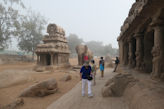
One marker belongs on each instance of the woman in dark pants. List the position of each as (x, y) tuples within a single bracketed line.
[(117, 61)]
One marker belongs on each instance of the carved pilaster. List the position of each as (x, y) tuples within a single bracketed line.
[(131, 63), (121, 44), (37, 59), (125, 53), (158, 52), (52, 59), (139, 51)]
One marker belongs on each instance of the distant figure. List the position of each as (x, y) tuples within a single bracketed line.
[(85, 72), (117, 61), (94, 68), (85, 58), (101, 66)]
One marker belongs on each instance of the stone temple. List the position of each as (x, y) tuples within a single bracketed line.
[(54, 51), (141, 41)]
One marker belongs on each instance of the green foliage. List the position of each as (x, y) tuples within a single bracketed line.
[(31, 32), (73, 41), (9, 20)]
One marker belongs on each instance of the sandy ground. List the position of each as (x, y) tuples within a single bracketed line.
[(74, 100), (16, 77)]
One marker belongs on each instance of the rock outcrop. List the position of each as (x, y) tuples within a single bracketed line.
[(41, 89), (115, 87), (66, 77), (14, 105)]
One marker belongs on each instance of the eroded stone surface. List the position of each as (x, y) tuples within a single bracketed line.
[(83, 50), (54, 51), (66, 77), (116, 86), (141, 41), (15, 104), (41, 89)]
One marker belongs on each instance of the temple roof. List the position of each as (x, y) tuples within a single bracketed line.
[(133, 13), (55, 41), (141, 15)]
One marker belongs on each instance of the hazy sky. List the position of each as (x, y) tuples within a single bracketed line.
[(98, 20)]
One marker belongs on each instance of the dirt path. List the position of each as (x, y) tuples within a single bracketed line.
[(74, 100)]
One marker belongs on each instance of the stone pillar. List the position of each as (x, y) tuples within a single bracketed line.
[(51, 58), (158, 52), (41, 59), (139, 51), (131, 63), (121, 46), (37, 59), (125, 53)]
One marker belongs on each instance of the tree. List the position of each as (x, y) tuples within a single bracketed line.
[(73, 41), (31, 32), (9, 20)]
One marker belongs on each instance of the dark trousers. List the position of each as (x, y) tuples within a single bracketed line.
[(115, 68)]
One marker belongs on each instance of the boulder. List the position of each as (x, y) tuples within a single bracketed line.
[(14, 105), (116, 86), (106, 91), (66, 77), (41, 89), (39, 68)]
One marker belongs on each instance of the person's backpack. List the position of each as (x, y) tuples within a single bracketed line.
[(102, 62), (117, 61)]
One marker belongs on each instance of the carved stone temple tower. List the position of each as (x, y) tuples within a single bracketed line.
[(54, 51)]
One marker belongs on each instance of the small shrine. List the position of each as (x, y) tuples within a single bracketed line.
[(54, 50)]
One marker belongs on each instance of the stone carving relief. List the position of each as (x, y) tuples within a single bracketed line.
[(51, 29)]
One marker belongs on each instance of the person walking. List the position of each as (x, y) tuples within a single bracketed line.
[(85, 74), (101, 66), (94, 68), (117, 61)]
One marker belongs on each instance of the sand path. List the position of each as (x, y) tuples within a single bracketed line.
[(74, 100)]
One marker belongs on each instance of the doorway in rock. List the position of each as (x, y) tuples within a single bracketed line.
[(126, 55), (48, 59), (148, 45), (134, 51)]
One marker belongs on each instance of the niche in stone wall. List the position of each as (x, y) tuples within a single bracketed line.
[(133, 51), (126, 55), (48, 59), (148, 45)]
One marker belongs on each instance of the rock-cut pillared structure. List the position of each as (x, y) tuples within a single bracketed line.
[(54, 50), (141, 41)]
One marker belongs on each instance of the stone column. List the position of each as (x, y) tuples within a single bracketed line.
[(37, 59), (125, 53), (131, 54), (51, 58), (139, 51), (121, 45), (158, 52), (41, 59)]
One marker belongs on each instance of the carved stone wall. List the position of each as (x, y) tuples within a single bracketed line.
[(145, 23), (54, 50)]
